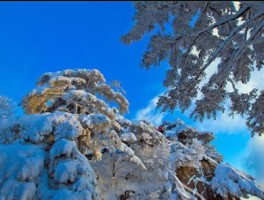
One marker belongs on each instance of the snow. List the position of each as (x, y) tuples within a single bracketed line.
[(32, 167), (59, 78), (40, 90), (66, 171), (68, 130), (20, 166), (177, 127), (74, 94), (229, 180), (82, 184), (141, 162), (93, 120), (128, 137)]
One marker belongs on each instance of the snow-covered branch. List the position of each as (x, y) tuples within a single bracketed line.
[(203, 32)]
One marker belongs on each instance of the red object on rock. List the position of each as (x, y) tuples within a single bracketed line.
[(161, 129)]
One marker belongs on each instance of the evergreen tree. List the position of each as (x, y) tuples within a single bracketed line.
[(84, 93), (204, 32)]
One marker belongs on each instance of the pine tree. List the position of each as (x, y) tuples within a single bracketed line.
[(204, 32), (84, 93)]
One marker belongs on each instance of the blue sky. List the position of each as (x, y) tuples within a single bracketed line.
[(39, 37)]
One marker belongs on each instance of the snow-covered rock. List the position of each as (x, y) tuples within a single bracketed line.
[(144, 164), (228, 180), (80, 148)]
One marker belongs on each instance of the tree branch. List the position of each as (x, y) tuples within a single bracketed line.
[(219, 50), (237, 15)]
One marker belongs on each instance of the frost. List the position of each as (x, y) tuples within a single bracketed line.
[(6, 107), (204, 34)]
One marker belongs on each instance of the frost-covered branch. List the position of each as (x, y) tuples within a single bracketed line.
[(6, 107), (203, 32)]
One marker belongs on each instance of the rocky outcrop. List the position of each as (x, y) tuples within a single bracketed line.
[(138, 163), (179, 164)]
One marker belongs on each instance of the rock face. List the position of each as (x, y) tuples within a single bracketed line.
[(180, 164), (47, 164)]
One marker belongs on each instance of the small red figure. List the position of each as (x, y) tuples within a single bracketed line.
[(161, 128)]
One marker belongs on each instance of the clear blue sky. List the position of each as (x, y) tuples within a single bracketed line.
[(38, 37)]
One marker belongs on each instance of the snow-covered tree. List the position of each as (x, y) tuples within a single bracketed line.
[(6, 107), (82, 92), (68, 119), (192, 36), (74, 145), (74, 91)]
